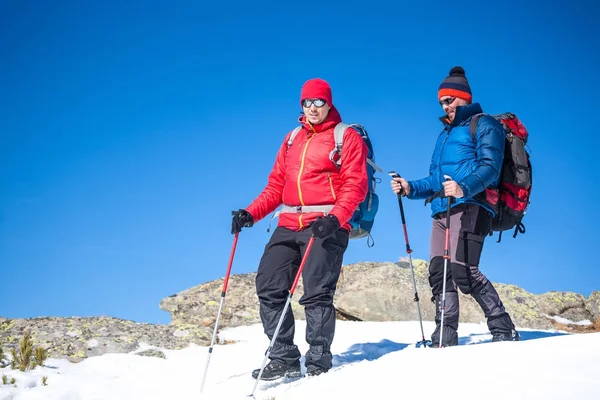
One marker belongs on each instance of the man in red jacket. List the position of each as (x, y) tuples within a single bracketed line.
[(318, 199)]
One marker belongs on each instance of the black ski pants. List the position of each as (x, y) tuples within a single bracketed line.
[(276, 272)]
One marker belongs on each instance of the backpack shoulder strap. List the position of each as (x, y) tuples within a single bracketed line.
[(338, 137), (338, 134), (473, 125), (293, 135)]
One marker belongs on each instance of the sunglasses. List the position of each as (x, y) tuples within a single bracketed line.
[(317, 102), (447, 101)]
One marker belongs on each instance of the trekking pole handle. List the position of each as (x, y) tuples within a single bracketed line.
[(394, 175), (448, 178)]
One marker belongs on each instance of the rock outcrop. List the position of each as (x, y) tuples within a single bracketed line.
[(368, 291), (376, 291), (78, 338)]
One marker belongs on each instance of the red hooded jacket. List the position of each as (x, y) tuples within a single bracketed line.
[(304, 175)]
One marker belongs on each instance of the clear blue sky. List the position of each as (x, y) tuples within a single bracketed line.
[(130, 130)]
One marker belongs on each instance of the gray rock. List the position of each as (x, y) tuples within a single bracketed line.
[(368, 291), (593, 305), (569, 305), (199, 305), (151, 353), (375, 291), (77, 338), (384, 292)]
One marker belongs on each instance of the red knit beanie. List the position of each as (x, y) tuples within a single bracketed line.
[(316, 89)]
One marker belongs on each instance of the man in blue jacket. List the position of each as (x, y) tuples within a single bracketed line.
[(472, 166)]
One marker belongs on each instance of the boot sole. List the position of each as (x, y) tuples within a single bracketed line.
[(287, 375)]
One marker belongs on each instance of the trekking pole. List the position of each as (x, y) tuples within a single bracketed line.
[(424, 342), (446, 260), (223, 292), (287, 304)]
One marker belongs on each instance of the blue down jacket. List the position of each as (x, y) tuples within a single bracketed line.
[(473, 166)]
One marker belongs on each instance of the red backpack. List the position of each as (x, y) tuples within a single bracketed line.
[(511, 198)]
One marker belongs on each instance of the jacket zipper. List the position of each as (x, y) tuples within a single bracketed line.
[(440, 161), (298, 182), (331, 186)]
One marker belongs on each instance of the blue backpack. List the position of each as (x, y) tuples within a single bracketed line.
[(364, 216)]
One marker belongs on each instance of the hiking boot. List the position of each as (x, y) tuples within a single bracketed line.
[(276, 369), (314, 370), (503, 336)]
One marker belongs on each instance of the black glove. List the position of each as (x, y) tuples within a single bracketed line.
[(324, 227), (241, 219)]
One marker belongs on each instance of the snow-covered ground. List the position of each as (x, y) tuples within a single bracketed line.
[(372, 360)]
